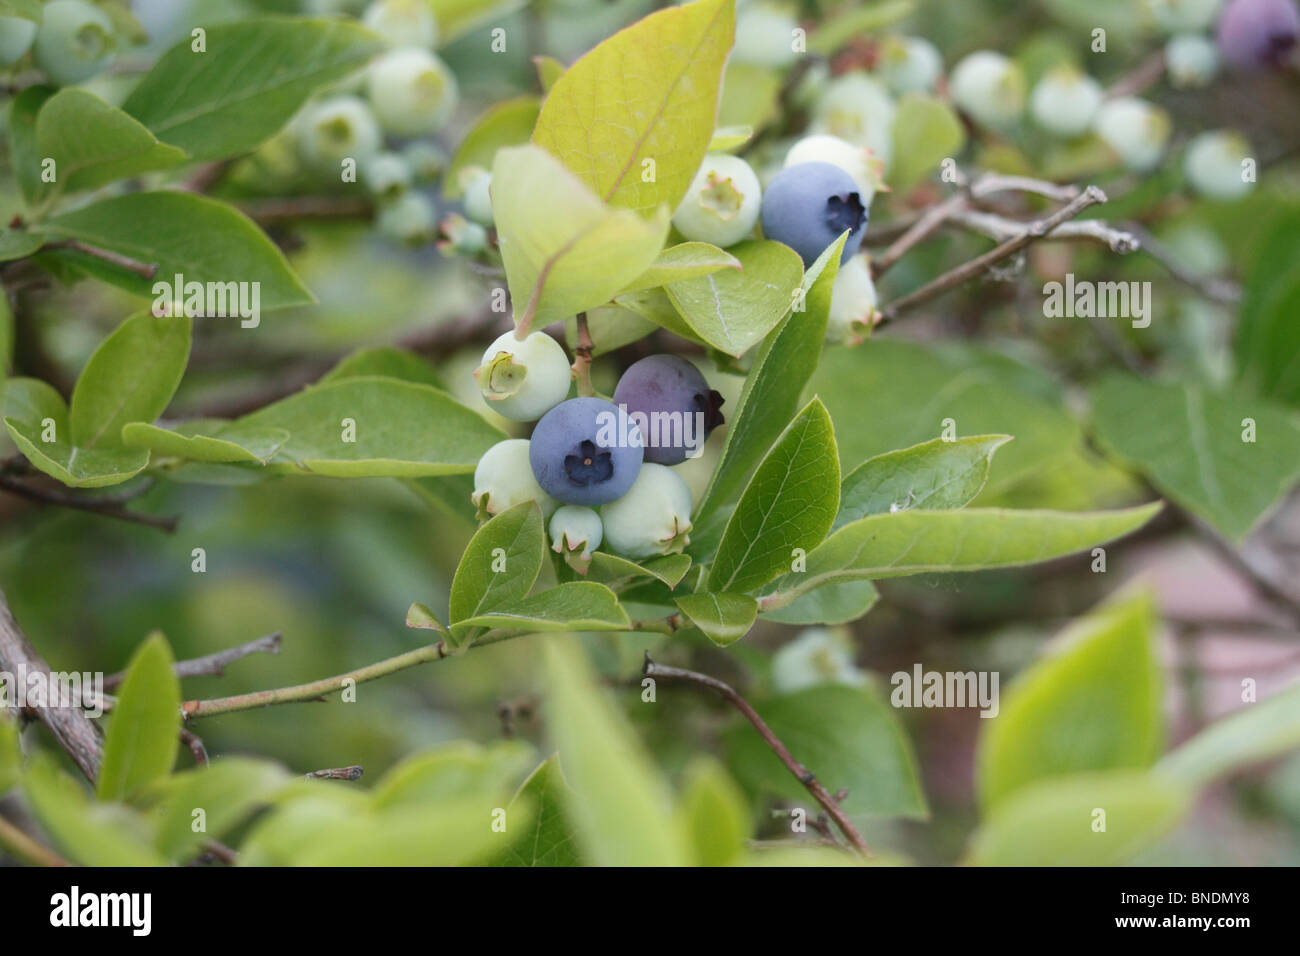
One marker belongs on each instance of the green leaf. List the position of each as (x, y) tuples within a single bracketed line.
[(131, 377), (92, 834), (252, 79), (848, 737), (11, 755), (936, 475), (650, 92), (93, 143), (617, 572), (776, 379), (388, 362), (829, 604), (458, 17), (550, 840), (789, 504), (1257, 732), (420, 616), (1094, 703), (454, 771), (207, 440), (564, 252), (29, 405), (24, 155), (402, 430), (549, 69), (576, 606), (926, 131), (19, 244), (201, 239), (917, 542), (508, 123), (714, 813), (1268, 337), (732, 310), (1188, 442), (751, 95), (727, 138), (227, 790), (724, 618), (144, 731), (853, 20), (500, 564), (1052, 822), (686, 260), (26, 9), (619, 803)]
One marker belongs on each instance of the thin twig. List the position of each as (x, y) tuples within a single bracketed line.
[(922, 229), (969, 270), (337, 773), (1141, 78), (195, 743), (212, 665), (145, 270), (582, 357), (26, 850), (1215, 288), (1001, 228), (109, 507), (801, 773)]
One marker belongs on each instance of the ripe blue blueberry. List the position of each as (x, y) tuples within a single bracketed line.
[(1258, 34), (582, 455), (807, 206), (672, 406)]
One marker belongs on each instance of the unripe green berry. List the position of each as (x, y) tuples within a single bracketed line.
[(1215, 163), (722, 203), (410, 218), (74, 41), (460, 237), (1135, 130), (524, 379), (765, 35), (856, 108), (989, 88), (653, 518), (427, 160), (576, 531), (386, 175), (403, 22), (16, 36), (477, 199), (858, 161), (853, 303), (412, 92), (504, 479), (1065, 101), (339, 128), (909, 64), (1191, 60)]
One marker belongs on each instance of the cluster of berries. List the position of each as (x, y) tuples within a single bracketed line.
[(587, 453), (74, 42)]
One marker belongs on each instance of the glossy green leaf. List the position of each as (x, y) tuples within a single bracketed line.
[(253, 77), (686, 260), (508, 123), (85, 832), (618, 572), (227, 791), (550, 840), (1254, 733), (751, 95), (619, 803), (549, 69), (458, 17), (776, 379), (650, 92), (732, 310), (93, 143), (728, 138), (837, 603), (1190, 443), (401, 430), (724, 618), (926, 132), (1268, 337), (936, 475), (144, 730), (1093, 703), (421, 617), (386, 361), (34, 411), (575, 606), (917, 542), (1055, 822), (714, 814), (207, 440), (24, 155), (788, 506), (848, 737), (19, 243), (454, 771), (564, 251), (131, 377), (181, 233), (500, 563)]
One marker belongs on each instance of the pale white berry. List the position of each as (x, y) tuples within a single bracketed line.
[(403, 22), (909, 64), (16, 36), (412, 91), (1181, 16), (410, 218), (1216, 165), (856, 107), (504, 478), (1191, 60), (819, 655), (722, 203), (386, 175), (337, 129), (477, 184), (1065, 101), (765, 35), (576, 531), (524, 379), (858, 161), (653, 518), (989, 87), (1135, 130), (853, 303)]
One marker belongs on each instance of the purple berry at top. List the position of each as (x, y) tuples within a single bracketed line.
[(583, 452), (808, 205), (671, 404), (1258, 34)]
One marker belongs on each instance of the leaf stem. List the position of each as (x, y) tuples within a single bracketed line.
[(25, 849)]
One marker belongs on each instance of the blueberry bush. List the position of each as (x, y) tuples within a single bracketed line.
[(736, 432)]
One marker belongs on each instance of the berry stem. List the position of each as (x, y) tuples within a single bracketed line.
[(582, 361)]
